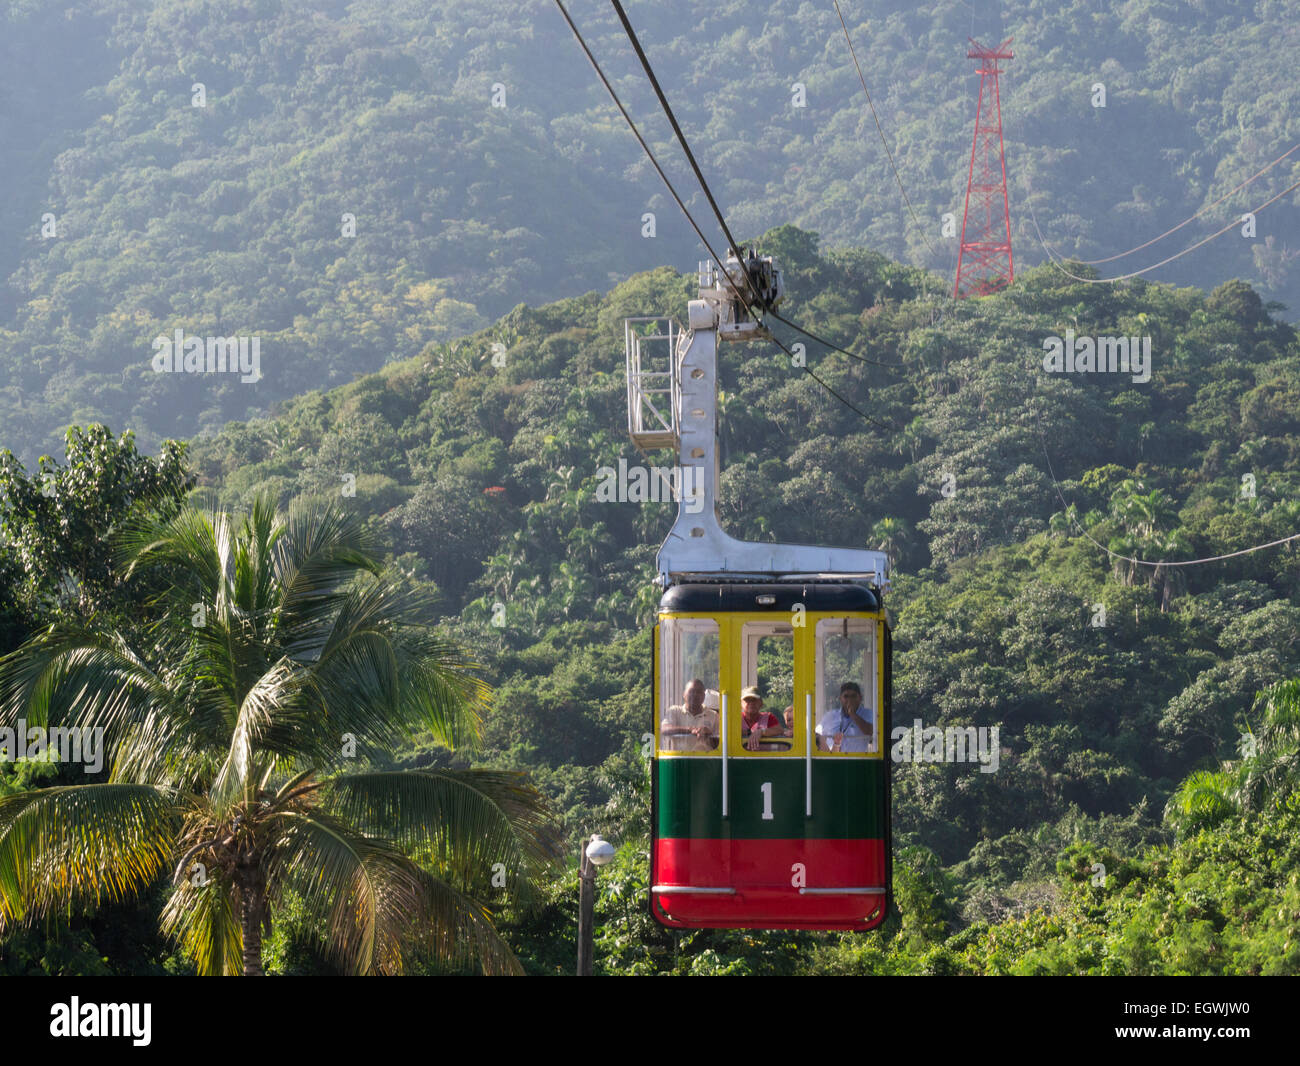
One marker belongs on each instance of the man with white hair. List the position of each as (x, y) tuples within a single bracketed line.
[(690, 725)]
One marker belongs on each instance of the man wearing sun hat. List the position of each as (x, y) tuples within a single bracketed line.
[(755, 723)]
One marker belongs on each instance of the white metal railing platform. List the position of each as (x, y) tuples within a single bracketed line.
[(653, 389)]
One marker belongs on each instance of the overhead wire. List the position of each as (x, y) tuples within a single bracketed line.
[(831, 345), (813, 374), (1193, 218), (750, 309), (1051, 470), (1157, 563), (888, 153), (645, 147), (722, 221), (672, 119), (1169, 259), (1057, 260), (637, 133), (651, 156), (704, 186), (925, 282), (851, 406), (758, 317)]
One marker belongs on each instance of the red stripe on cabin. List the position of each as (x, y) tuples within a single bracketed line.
[(766, 879)]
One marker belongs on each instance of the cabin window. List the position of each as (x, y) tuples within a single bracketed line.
[(846, 655), (689, 717), (767, 664)]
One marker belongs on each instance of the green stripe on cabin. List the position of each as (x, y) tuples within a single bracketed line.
[(848, 798)]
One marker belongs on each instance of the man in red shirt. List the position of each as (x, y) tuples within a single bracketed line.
[(755, 723)]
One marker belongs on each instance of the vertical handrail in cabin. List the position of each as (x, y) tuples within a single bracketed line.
[(722, 726), (808, 733)]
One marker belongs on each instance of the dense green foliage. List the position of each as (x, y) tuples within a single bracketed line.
[(57, 563), (204, 164), (56, 553), (1110, 682), (1115, 737), (1226, 901), (228, 219)]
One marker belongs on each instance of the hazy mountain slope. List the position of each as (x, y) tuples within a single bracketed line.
[(227, 219)]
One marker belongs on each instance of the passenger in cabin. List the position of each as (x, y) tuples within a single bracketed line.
[(848, 727), (756, 723), (789, 722), (690, 725)]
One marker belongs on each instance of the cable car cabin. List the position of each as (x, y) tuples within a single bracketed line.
[(762, 827)]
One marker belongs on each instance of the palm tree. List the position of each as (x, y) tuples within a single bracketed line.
[(1169, 579), (1141, 513), (502, 570), (613, 607), (566, 479), (910, 437), (1123, 550), (1142, 517), (574, 586), (454, 355), (237, 721), (1269, 769), (1062, 524), (532, 601), (506, 335), (890, 535), (590, 543), (645, 604), (1273, 768), (1202, 801)]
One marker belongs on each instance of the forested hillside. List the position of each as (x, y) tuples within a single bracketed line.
[(334, 178), (1110, 683), (427, 223)]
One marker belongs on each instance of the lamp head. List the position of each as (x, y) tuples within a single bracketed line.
[(600, 852)]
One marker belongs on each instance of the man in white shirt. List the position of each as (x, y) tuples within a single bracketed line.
[(689, 726), (847, 727)]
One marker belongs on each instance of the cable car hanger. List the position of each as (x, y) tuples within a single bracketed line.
[(697, 548)]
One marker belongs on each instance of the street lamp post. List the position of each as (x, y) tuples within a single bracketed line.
[(595, 853)]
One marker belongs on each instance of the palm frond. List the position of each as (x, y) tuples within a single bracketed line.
[(1272, 772), (274, 638), (200, 916), (184, 545), (79, 844), (1203, 800), (1280, 728), (163, 728), (76, 677), (382, 681), (454, 928), (468, 820), (341, 877), (322, 550), (377, 902), (270, 713)]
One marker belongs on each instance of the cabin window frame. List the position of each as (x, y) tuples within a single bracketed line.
[(836, 625), (672, 675), (750, 631)]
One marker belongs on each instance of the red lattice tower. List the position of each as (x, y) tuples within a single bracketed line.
[(984, 265)]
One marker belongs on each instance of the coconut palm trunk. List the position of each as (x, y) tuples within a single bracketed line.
[(252, 913)]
